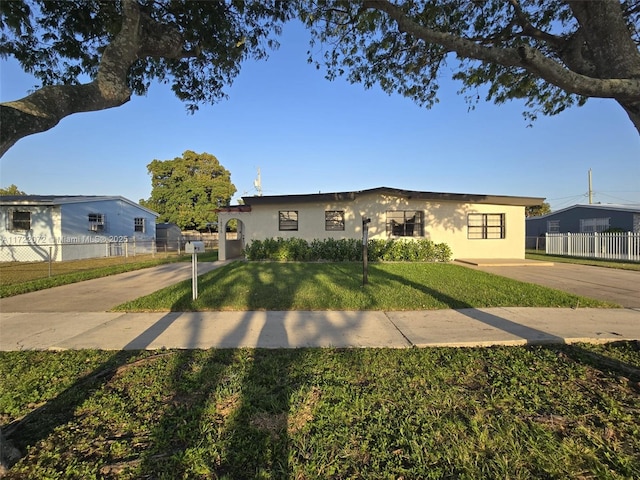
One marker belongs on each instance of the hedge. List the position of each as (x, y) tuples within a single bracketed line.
[(347, 250)]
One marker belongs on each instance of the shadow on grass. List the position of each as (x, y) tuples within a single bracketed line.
[(530, 335), (253, 422), (41, 422)]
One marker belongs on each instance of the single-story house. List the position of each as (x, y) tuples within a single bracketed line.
[(586, 219), (65, 227), (474, 226)]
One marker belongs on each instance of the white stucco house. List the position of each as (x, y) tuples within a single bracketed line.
[(474, 226), (36, 227)]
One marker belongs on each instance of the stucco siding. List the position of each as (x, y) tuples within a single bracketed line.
[(444, 222), (61, 230), (30, 245)]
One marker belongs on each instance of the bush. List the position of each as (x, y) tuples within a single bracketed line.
[(347, 250)]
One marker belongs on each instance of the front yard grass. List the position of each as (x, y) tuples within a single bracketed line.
[(477, 413), (594, 262), (23, 277), (338, 286)]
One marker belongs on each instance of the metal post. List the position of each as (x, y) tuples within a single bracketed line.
[(365, 252), (194, 275), (50, 260)]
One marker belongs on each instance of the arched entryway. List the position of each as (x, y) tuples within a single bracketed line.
[(233, 238), (231, 244)]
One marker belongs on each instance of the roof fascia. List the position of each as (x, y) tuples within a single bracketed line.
[(409, 194)]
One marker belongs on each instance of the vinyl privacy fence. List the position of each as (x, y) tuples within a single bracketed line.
[(606, 246)]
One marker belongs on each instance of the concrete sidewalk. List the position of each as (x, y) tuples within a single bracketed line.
[(271, 329)]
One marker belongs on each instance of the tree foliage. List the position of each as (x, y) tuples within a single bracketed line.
[(93, 55), (187, 190), (538, 210), (11, 190), (550, 53)]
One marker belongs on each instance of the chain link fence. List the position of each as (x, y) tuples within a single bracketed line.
[(536, 243), (30, 260)]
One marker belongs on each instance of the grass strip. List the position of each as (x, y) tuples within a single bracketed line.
[(519, 413), (594, 262), (243, 286)]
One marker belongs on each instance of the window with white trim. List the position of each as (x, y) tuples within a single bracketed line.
[(590, 225), (288, 220), (334, 220), (20, 220), (139, 224), (485, 226), (96, 222), (405, 223)]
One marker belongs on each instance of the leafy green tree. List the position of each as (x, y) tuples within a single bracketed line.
[(187, 190), (11, 190), (538, 210), (121, 46), (554, 54)]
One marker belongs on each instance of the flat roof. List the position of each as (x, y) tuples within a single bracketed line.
[(409, 194)]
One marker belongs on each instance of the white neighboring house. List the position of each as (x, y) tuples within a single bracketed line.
[(66, 227), (474, 226)]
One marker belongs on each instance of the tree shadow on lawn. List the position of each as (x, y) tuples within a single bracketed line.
[(531, 335), (205, 428), (42, 421), (607, 365)]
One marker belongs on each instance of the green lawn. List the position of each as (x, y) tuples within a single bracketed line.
[(338, 286), (560, 412), (620, 264), (23, 277)]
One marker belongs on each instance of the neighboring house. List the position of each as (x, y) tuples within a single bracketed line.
[(586, 219), (474, 226), (39, 227)]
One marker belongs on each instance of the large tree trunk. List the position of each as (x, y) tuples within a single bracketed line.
[(609, 48), (601, 60), (139, 36), (44, 108), (633, 110)]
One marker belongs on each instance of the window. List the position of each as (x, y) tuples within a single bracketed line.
[(590, 225), (334, 220), (96, 222), (485, 225), (405, 223), (21, 220), (553, 226), (138, 224), (288, 220)]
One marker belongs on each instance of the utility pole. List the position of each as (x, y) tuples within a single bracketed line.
[(590, 189), (257, 183)]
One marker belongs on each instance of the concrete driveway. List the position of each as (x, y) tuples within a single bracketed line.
[(609, 284), (102, 294)]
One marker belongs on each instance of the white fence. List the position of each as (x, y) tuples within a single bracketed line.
[(606, 246)]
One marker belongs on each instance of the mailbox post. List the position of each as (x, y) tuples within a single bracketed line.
[(365, 250), (194, 248)]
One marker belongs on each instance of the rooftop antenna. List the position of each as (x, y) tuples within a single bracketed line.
[(257, 183), (590, 189)]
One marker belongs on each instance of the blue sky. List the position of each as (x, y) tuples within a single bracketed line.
[(309, 135)]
